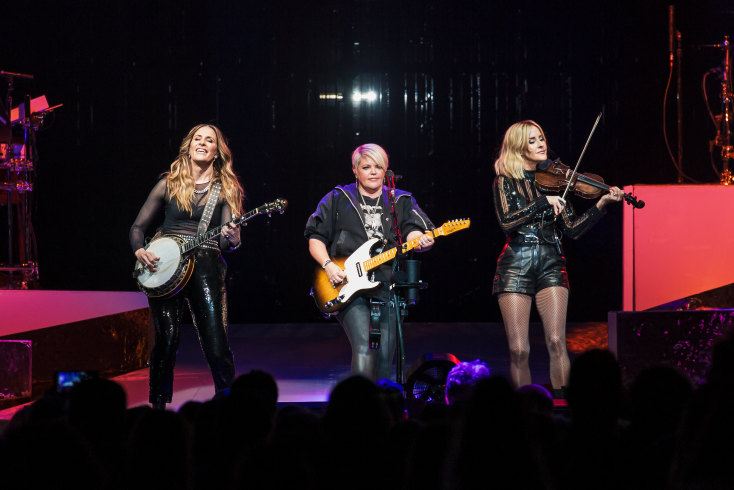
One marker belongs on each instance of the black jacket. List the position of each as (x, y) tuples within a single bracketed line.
[(338, 221)]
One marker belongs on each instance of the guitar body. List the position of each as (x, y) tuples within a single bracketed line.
[(174, 268), (333, 298)]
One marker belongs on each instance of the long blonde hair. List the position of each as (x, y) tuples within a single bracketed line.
[(180, 183), (510, 161)]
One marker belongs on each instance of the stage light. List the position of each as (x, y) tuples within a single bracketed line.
[(426, 383), (358, 96), (331, 96)]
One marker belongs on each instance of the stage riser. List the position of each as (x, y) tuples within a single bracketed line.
[(678, 245), (679, 339), (111, 345)]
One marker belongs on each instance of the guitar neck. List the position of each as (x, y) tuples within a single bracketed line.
[(378, 260)]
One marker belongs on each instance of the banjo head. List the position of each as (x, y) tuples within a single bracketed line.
[(169, 251)]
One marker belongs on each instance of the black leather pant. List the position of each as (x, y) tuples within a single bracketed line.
[(206, 296), (355, 319)]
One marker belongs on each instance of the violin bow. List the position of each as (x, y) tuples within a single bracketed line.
[(573, 174)]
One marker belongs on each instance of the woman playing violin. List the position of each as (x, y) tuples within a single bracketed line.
[(532, 263)]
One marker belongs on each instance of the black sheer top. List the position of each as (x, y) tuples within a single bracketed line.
[(177, 220)]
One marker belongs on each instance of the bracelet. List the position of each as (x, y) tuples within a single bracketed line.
[(239, 244), (328, 261)]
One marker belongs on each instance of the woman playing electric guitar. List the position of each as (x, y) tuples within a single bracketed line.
[(345, 219)]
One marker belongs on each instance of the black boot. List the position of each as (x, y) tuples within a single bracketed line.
[(560, 393)]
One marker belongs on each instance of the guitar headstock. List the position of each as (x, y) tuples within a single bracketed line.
[(453, 225), (278, 205)]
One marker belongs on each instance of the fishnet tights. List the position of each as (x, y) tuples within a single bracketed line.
[(552, 304)]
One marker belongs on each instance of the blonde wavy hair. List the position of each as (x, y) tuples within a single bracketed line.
[(181, 185), (510, 161), (373, 151)]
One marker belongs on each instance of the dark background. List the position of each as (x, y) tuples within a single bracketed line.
[(451, 75)]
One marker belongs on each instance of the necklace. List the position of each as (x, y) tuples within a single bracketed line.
[(204, 190), (365, 203), (372, 217), (370, 210)]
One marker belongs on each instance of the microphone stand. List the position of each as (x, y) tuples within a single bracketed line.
[(397, 266), (399, 279), (727, 152)]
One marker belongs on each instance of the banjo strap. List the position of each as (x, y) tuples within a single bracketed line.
[(211, 203)]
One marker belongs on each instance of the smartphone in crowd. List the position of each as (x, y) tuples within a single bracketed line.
[(64, 380)]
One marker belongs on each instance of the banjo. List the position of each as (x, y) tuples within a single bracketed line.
[(176, 262)]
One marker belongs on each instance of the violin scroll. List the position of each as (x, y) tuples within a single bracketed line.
[(633, 201)]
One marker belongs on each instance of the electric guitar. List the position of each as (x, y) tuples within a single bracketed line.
[(330, 298), (176, 262)]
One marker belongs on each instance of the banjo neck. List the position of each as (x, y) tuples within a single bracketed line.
[(277, 205)]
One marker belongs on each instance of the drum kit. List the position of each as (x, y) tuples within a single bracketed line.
[(18, 156)]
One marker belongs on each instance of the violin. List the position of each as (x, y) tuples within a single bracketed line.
[(553, 176)]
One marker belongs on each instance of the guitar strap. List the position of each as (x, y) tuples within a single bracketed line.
[(211, 203)]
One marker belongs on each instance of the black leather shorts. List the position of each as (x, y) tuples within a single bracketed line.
[(529, 268)]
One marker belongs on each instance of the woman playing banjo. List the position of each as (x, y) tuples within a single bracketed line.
[(201, 173)]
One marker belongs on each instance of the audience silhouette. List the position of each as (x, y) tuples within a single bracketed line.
[(704, 447), (663, 433)]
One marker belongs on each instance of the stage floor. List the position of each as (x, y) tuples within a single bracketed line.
[(308, 360)]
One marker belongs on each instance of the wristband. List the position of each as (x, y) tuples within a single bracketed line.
[(328, 261)]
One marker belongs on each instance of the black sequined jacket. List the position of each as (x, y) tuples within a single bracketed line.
[(526, 215)]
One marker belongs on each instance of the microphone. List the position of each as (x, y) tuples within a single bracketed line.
[(392, 175), (552, 158), (390, 179)]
